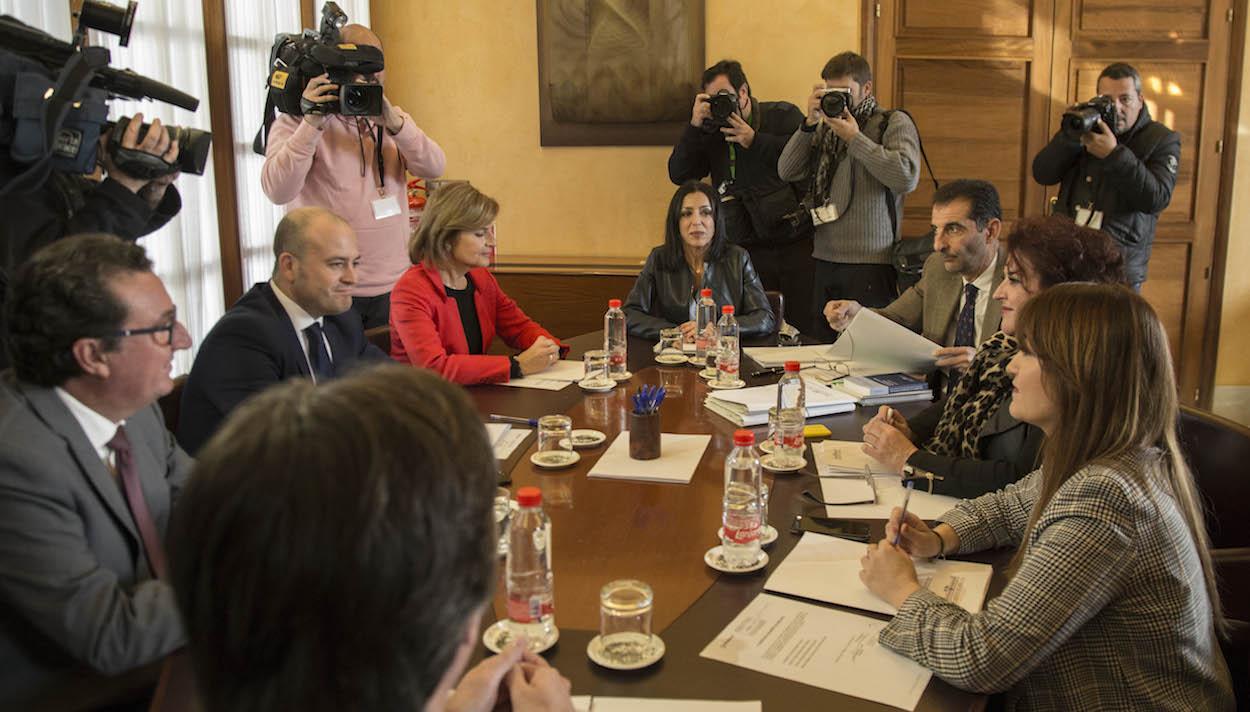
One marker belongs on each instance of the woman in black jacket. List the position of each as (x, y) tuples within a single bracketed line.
[(695, 256), (969, 444)]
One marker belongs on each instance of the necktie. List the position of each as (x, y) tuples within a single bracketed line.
[(966, 324), (318, 356), (120, 445)]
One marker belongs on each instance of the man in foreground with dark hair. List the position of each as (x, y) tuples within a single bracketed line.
[(859, 162), (336, 550), (1117, 179), (88, 473), (298, 324), (951, 303), (761, 211)]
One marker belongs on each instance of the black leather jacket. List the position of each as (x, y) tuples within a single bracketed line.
[(1131, 186), (661, 298)]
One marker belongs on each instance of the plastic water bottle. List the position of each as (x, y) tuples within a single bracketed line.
[(740, 518), (791, 415), (531, 603), (727, 356), (615, 340), (705, 334)]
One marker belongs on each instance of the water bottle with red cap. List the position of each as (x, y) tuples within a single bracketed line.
[(791, 417), (740, 517), (705, 329), (727, 356), (615, 341), (531, 602)]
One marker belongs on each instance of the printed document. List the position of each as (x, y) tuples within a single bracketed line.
[(822, 647), (554, 378), (826, 568), (890, 492), (842, 458), (876, 345)]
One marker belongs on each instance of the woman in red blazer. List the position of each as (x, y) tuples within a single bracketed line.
[(447, 308)]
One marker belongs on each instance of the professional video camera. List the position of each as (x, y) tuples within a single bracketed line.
[(53, 103), (295, 59), (723, 104), (833, 102), (1082, 118)]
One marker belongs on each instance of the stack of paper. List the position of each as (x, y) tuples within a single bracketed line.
[(822, 647), (835, 458), (559, 375), (749, 406), (885, 388), (826, 568), (679, 458), (775, 356), (875, 345)]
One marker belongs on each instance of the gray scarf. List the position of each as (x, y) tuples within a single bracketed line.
[(831, 151)]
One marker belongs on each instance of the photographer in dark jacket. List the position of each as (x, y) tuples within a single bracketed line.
[(1117, 181), (69, 204), (761, 211)]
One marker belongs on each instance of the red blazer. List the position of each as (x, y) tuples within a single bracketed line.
[(426, 329)]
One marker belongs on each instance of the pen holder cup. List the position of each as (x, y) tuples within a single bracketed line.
[(644, 436)]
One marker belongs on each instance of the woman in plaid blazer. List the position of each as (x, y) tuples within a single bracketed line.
[(1112, 602)]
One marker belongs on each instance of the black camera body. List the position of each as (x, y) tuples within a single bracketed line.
[(193, 148), (723, 105), (834, 102), (296, 59), (1082, 118)]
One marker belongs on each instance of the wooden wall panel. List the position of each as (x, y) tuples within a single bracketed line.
[(994, 18), (565, 304), (1176, 19), (1165, 288)]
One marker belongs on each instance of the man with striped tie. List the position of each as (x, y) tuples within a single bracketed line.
[(298, 324), (951, 304)]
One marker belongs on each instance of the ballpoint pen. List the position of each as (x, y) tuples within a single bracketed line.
[(903, 517), (532, 422), (773, 370)]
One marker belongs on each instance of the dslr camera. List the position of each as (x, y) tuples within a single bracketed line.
[(723, 105), (1082, 118), (296, 59), (54, 104), (834, 101)]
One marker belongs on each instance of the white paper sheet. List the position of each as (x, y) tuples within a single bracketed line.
[(847, 491), (845, 458), (758, 399), (877, 345), (890, 495), (495, 431), (774, 356), (639, 704), (553, 378), (679, 457), (826, 648), (826, 568), (509, 442)]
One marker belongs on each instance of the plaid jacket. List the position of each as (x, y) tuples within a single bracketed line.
[(1108, 609)]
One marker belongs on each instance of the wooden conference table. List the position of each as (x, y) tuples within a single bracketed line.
[(610, 529), (604, 530)]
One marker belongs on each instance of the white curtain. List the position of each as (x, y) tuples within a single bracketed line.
[(51, 17)]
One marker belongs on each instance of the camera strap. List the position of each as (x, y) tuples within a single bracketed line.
[(379, 162), (753, 122)]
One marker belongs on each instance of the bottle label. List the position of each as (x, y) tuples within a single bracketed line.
[(529, 610), (743, 535)]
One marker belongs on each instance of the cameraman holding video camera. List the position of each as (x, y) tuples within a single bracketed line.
[(861, 160), (1115, 166), (738, 140), (329, 160)]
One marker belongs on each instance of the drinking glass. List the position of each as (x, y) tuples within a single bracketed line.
[(670, 342), (596, 365), (625, 621), (555, 432), (503, 515)]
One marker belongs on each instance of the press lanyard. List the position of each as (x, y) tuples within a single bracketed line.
[(377, 146), (733, 152)]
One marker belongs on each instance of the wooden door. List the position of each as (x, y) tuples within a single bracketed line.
[(1180, 47), (988, 79)]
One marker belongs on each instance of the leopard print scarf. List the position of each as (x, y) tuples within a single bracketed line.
[(975, 397)]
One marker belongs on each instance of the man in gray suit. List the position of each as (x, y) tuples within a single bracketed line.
[(88, 473), (952, 304)]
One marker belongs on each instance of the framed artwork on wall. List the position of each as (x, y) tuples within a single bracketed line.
[(617, 73)]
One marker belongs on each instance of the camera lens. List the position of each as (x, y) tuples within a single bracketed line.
[(833, 103), (354, 98)]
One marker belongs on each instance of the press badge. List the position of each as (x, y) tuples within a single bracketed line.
[(1089, 218), (386, 207), (826, 213)]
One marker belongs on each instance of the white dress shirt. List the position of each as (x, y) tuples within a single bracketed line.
[(301, 320), (985, 285), (98, 429)]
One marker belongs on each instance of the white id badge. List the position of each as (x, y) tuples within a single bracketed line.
[(386, 207), (1089, 218), (824, 214)]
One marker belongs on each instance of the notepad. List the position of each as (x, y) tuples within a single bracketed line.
[(889, 490), (845, 458), (553, 378), (826, 568), (586, 703), (678, 460)]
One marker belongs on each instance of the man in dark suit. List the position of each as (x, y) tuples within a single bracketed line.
[(299, 323), (88, 472)]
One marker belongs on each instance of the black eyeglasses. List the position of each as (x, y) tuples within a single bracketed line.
[(163, 334)]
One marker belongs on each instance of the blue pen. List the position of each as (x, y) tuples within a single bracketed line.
[(906, 498)]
